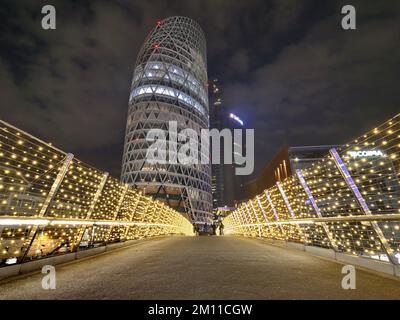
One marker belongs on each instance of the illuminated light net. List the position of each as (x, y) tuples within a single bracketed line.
[(52, 203), (349, 201), (169, 84)]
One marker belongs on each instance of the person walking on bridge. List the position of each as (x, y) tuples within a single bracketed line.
[(221, 229)]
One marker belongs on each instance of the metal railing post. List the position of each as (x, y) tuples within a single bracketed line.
[(139, 196), (92, 206), (263, 212), (249, 215), (286, 200), (244, 220), (289, 207), (271, 204), (117, 209), (258, 220), (237, 221)]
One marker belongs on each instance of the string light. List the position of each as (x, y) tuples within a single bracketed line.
[(39, 216), (372, 161)]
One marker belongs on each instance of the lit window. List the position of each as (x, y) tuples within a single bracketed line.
[(166, 91)]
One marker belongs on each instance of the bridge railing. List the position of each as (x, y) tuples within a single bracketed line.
[(349, 201), (52, 203)]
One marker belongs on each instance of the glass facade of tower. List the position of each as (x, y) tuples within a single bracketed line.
[(216, 122), (169, 84)]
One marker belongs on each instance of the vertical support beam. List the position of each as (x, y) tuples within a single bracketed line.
[(316, 208), (364, 207), (139, 199), (250, 217), (274, 211), (158, 217), (92, 206), (239, 221), (258, 220), (285, 168), (117, 209), (272, 205), (161, 219), (285, 198), (249, 220), (189, 199), (50, 196), (234, 219), (243, 222), (263, 211), (143, 231), (249, 214), (56, 184), (97, 195), (244, 219)]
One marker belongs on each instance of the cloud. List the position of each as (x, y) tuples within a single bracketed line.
[(239, 63), (330, 86), (285, 66)]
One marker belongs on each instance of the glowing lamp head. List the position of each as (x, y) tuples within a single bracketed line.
[(236, 118)]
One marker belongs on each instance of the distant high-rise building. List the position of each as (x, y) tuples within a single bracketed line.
[(169, 84), (216, 122), (284, 164), (226, 185)]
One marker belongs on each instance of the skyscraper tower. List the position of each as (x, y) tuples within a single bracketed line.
[(169, 84), (216, 122), (227, 187)]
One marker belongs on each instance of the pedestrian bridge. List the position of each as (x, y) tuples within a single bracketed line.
[(201, 268), (290, 241)]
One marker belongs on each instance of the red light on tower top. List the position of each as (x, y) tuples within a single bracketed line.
[(158, 23)]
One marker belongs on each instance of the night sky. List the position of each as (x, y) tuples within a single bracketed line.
[(285, 67)]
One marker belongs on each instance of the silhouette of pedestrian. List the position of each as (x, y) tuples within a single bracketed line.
[(221, 229)]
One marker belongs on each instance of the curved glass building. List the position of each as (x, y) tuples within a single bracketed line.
[(169, 84)]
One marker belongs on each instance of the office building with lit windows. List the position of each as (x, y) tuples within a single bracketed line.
[(216, 123), (226, 185), (170, 84)]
